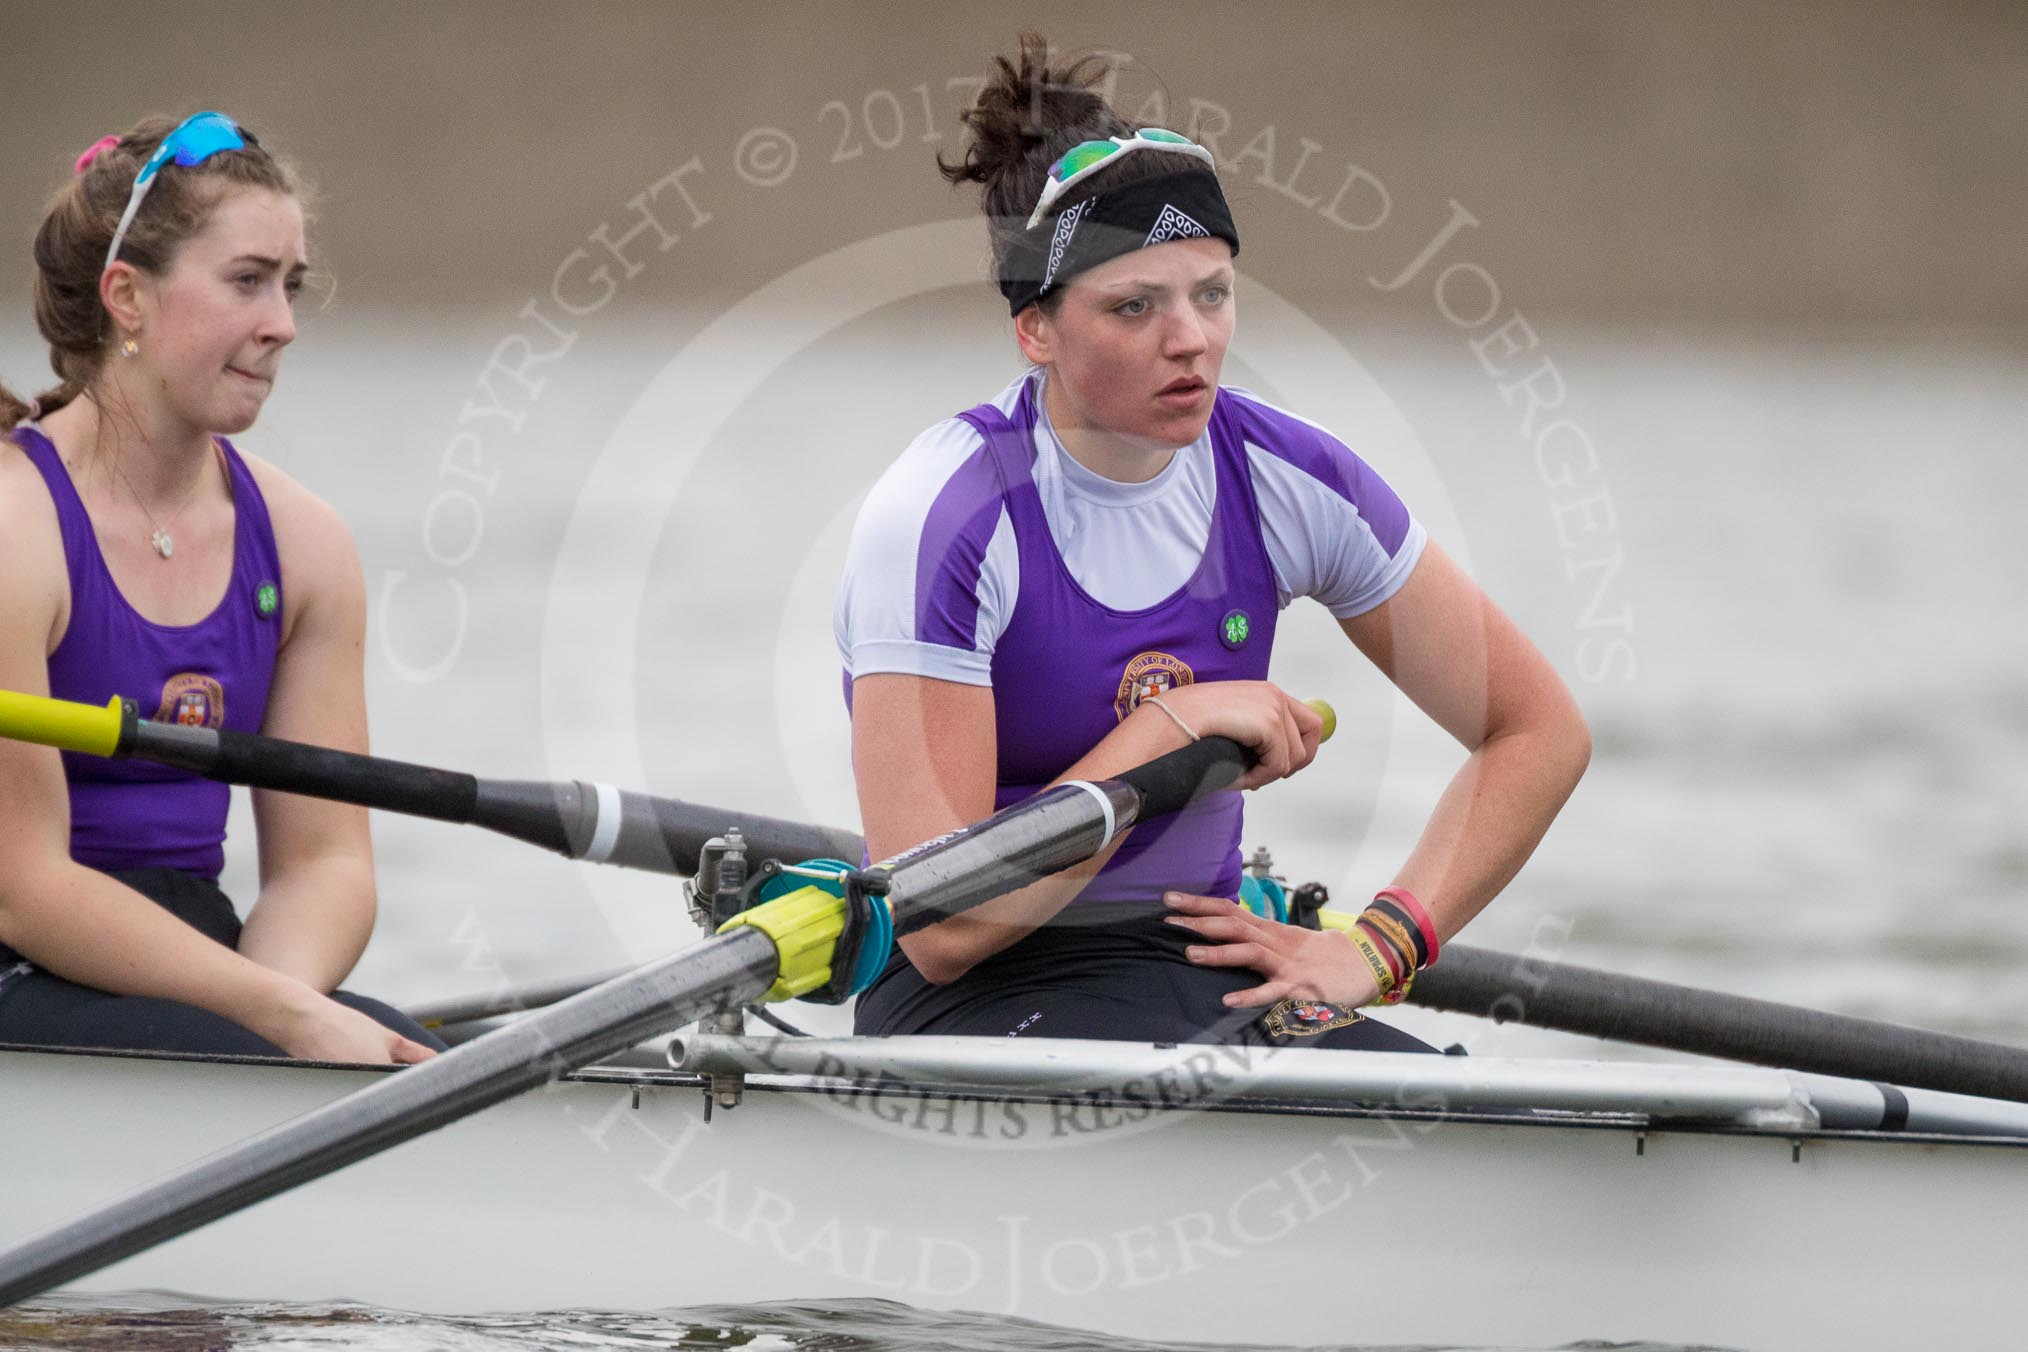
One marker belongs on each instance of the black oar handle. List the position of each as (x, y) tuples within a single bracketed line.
[(1169, 783), (1063, 825), (318, 771)]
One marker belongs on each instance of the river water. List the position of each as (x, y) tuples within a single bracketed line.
[(1782, 572), (155, 1324)]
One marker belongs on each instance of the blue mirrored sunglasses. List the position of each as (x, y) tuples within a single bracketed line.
[(194, 141)]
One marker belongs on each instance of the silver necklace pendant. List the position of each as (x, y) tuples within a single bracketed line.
[(163, 544)]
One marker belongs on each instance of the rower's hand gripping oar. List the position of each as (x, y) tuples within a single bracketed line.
[(835, 933), (782, 944), (595, 822)]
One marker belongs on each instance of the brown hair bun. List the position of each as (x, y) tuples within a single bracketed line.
[(1027, 115)]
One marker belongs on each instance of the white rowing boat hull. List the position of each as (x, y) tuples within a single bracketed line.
[(1256, 1224)]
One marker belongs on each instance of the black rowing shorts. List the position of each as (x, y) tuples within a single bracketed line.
[(1113, 971), (41, 1009)]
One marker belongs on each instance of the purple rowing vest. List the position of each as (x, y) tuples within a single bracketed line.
[(127, 813), (1067, 670)]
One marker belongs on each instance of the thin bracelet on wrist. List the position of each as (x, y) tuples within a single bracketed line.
[(1174, 717)]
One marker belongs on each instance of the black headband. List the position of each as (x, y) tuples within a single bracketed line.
[(1186, 204)]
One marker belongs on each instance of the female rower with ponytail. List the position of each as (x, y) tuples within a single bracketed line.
[(142, 555), (1084, 573)]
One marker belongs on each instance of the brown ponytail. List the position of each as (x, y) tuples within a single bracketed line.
[(77, 228), (1027, 115)]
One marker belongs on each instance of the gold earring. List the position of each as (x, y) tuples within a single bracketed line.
[(129, 348)]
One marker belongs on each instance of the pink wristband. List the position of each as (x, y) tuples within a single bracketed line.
[(1405, 899)]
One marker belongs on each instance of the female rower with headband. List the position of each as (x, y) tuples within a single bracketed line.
[(1084, 573), (141, 555)]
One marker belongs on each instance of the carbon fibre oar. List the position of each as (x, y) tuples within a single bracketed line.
[(595, 822), (502, 1000), (779, 948), (1507, 988), (1571, 999)]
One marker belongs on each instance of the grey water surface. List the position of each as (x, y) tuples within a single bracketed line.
[(168, 1324)]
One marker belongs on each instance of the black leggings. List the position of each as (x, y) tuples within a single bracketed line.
[(1116, 972), (40, 1009)]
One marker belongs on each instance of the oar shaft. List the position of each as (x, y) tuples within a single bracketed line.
[(584, 821), (519, 1056), (596, 822), (1045, 834), (605, 825), (1049, 832), (1052, 831), (1650, 1013), (504, 1000), (294, 767)]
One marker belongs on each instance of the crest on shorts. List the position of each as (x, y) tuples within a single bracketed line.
[(1307, 1018), (193, 700), (1150, 673)]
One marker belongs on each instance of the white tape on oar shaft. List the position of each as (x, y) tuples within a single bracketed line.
[(606, 826), (1105, 806)]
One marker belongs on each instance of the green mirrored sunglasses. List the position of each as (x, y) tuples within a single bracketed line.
[(1084, 159)]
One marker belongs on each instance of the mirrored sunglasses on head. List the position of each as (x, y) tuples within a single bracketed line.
[(196, 139), (1086, 158)]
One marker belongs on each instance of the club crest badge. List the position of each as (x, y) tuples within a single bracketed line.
[(1307, 1018), (193, 700), (1150, 673)]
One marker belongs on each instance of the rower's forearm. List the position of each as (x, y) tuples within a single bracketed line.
[(1490, 818), (945, 951), (87, 927), (313, 923), (948, 949)]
